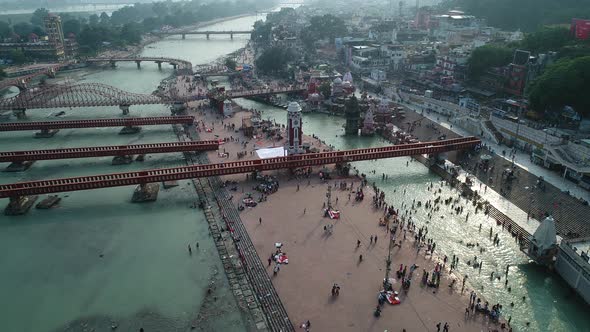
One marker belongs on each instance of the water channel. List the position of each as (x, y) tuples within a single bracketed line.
[(99, 260)]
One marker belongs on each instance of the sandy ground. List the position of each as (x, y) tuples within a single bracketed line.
[(317, 260)]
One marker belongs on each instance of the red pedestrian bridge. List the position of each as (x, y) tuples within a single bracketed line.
[(17, 190), (101, 151), (267, 91), (120, 122)]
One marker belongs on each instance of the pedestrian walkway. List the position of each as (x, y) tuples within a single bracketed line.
[(522, 159)]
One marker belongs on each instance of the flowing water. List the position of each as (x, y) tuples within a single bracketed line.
[(99, 260)]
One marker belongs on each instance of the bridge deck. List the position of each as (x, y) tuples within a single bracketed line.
[(101, 151), (121, 122), (240, 32), (179, 173)]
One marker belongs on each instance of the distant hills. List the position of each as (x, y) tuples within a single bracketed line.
[(526, 15)]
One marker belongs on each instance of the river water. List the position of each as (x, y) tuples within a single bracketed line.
[(99, 260)]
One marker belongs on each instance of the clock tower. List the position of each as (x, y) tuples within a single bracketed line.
[(294, 129)]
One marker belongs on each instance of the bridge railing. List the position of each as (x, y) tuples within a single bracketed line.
[(178, 173)]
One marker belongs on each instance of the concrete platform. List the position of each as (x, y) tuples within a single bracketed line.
[(48, 202), (146, 193), (19, 166), (122, 160), (20, 205), (46, 133)]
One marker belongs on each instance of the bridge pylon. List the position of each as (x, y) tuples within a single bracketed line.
[(125, 109), (19, 205), (146, 192), (19, 113)]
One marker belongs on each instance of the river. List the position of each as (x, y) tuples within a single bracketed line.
[(98, 260)]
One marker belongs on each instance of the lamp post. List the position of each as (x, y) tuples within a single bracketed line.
[(517, 130), (388, 264)]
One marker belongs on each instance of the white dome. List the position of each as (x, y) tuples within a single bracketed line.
[(338, 80), (293, 107)]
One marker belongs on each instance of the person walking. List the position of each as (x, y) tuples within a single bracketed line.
[(260, 220)]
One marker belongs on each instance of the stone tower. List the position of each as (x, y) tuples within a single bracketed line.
[(294, 129), (353, 116)]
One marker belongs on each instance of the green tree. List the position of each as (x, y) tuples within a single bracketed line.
[(104, 18), (325, 89), (39, 16), (547, 39), (527, 15), (230, 63), (151, 23), (565, 83), (131, 33), (18, 57), (38, 31), (261, 32), (72, 26), (93, 20), (5, 30), (2, 73), (486, 57), (274, 60), (22, 29)]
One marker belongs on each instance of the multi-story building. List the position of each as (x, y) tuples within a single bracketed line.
[(54, 48), (55, 34)]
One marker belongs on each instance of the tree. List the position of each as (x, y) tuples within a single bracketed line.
[(151, 23), (527, 15), (5, 30), (131, 33), (18, 57), (261, 33), (91, 38), (326, 26), (486, 57), (274, 60), (38, 31), (230, 63), (104, 18), (23, 29), (547, 39), (39, 16), (565, 83), (2, 73), (325, 89), (72, 26), (93, 19)]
